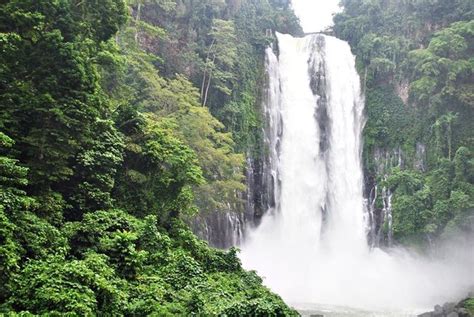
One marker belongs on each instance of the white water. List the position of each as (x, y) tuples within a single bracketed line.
[(304, 256)]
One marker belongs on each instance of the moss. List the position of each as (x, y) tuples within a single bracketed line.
[(417, 84)]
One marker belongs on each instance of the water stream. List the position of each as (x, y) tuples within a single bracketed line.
[(311, 247)]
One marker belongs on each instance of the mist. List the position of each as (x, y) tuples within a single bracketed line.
[(303, 257)]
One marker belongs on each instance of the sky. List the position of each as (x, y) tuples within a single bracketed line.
[(315, 15)]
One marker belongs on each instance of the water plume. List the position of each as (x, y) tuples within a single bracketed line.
[(312, 246)]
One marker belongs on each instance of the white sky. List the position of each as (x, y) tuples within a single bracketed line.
[(315, 15)]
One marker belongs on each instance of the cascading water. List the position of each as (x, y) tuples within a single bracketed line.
[(313, 248), (387, 214)]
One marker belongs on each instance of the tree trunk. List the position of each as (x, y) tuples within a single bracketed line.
[(137, 21), (208, 84), (203, 84), (449, 141)]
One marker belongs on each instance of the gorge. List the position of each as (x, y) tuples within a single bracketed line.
[(237, 158), (312, 245)]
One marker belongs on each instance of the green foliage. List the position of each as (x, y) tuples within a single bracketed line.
[(12, 177), (464, 165), (469, 305), (221, 166), (220, 58), (88, 125), (9, 251), (175, 104), (55, 285), (415, 60), (223, 42), (123, 265), (51, 102), (96, 167), (444, 66), (387, 115), (438, 203), (158, 172)]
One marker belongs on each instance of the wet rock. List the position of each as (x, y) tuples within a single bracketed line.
[(449, 308), (438, 311), (462, 312)]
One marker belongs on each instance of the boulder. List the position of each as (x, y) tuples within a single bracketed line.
[(449, 308), (438, 311), (462, 312)]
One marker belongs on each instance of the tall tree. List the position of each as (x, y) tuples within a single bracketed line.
[(220, 59)]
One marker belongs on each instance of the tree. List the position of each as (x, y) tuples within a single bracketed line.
[(12, 200), (50, 97), (88, 125), (95, 170), (464, 165), (220, 58), (157, 173)]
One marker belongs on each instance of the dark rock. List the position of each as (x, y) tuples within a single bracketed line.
[(449, 308), (316, 315), (462, 312), (438, 311)]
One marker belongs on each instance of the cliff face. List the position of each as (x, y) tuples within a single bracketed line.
[(227, 228), (418, 142), (220, 48), (415, 63)]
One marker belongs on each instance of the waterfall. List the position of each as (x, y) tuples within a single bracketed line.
[(311, 246), (387, 214), (273, 134)]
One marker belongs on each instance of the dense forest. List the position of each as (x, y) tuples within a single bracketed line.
[(416, 61), (119, 120), (122, 121)]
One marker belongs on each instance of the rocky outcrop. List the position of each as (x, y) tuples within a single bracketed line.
[(378, 197), (450, 310), (222, 229)]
